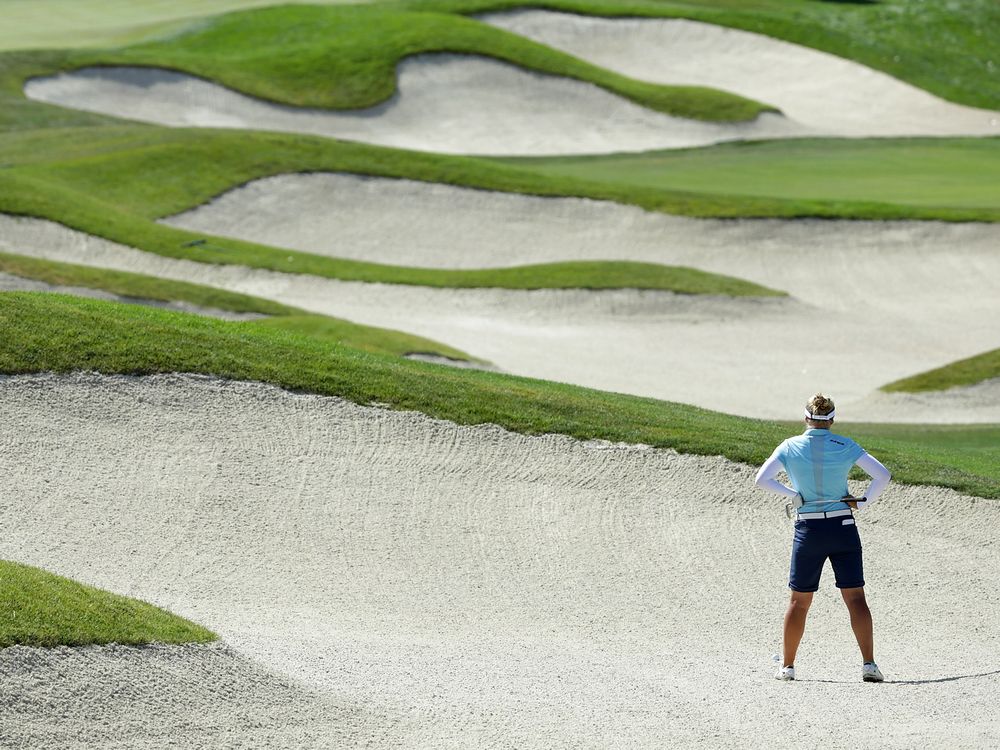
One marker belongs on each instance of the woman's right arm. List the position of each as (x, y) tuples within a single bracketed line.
[(767, 478)]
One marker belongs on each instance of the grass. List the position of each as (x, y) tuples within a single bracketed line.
[(948, 48), (115, 194), (964, 372), (38, 24), (112, 181), (64, 334), (965, 448), (290, 319), (345, 57), (137, 285), (41, 609), (919, 172)]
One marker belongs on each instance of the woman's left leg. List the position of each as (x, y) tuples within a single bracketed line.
[(861, 621)]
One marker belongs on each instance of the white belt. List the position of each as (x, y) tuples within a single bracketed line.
[(830, 514)]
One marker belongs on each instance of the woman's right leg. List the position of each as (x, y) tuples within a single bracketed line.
[(795, 624)]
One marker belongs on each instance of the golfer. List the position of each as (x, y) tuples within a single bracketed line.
[(817, 463)]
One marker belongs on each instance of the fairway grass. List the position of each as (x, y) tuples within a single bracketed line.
[(965, 372), (55, 333), (41, 609), (945, 48), (290, 319), (346, 58), (917, 172), (948, 48)]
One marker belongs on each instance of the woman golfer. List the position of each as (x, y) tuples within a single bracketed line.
[(817, 463)]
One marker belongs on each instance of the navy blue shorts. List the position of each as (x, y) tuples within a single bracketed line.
[(819, 539)]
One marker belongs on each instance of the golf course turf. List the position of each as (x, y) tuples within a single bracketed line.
[(114, 179), (985, 366), (55, 333), (290, 319), (41, 609)]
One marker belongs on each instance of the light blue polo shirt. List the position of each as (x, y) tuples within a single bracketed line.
[(818, 462)]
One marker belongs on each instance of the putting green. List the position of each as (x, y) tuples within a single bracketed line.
[(943, 173)]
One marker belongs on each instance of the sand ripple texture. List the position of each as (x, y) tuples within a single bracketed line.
[(813, 89), (469, 587), (745, 356), (446, 103), (191, 696)]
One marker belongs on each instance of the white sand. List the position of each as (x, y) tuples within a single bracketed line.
[(192, 696), (812, 88), (11, 283), (467, 587), (744, 356), (446, 103), (961, 404)]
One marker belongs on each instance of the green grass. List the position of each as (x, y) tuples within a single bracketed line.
[(346, 58), (39, 24), (948, 48), (985, 366), (290, 319), (968, 449), (41, 609), (920, 172), (137, 285), (63, 334), (155, 172)]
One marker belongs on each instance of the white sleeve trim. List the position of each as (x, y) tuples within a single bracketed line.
[(880, 478), (767, 478)]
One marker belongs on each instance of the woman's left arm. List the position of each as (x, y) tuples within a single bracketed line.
[(880, 479)]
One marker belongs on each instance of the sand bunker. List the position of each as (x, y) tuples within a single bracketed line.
[(812, 88), (973, 403), (745, 356), (469, 587), (10, 283), (446, 103), (166, 696)]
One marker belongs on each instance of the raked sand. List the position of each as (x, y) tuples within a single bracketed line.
[(813, 89), (188, 696), (446, 103), (384, 579), (751, 356)]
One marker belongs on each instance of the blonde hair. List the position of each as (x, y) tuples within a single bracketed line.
[(820, 404)]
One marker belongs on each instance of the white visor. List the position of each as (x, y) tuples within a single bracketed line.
[(820, 417)]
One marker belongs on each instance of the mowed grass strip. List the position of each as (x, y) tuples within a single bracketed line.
[(63, 334), (946, 48), (291, 319), (38, 608), (964, 372), (920, 172), (965, 448), (949, 49), (107, 195), (346, 58)]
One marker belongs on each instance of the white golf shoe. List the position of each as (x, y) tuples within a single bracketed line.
[(870, 672), (785, 673)]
